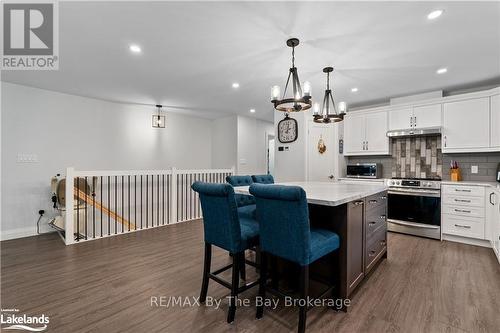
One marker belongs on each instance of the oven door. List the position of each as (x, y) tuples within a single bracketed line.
[(415, 212)]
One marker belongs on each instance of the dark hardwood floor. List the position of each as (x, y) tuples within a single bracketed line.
[(107, 285)]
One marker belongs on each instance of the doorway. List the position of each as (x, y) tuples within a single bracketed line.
[(270, 154)]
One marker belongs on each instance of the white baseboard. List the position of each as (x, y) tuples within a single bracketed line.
[(17, 233), (466, 240)]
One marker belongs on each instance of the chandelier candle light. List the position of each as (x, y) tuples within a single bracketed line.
[(329, 115), (300, 99)]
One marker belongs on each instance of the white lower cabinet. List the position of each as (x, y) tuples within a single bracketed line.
[(471, 214), (492, 229), (463, 211)]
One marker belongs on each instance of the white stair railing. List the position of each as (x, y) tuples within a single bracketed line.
[(108, 203)]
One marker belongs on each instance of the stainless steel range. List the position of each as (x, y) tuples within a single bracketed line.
[(414, 207)]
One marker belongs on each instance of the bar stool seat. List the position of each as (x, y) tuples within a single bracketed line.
[(285, 232), (322, 242), (249, 212), (224, 228)]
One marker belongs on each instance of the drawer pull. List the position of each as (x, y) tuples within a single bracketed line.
[(357, 203), (382, 242), (372, 253), (462, 200), (372, 223), (383, 198), (372, 201), (462, 226), (457, 190), (462, 211), (382, 217)]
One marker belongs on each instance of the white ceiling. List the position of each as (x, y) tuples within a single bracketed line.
[(193, 52)]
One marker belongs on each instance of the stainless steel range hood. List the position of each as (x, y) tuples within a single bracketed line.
[(414, 132)]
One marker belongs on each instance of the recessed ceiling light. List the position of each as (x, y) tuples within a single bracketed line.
[(252, 110), (135, 48), (354, 89), (442, 70), (435, 14), (236, 85)]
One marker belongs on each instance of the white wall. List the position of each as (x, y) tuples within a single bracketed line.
[(241, 142), (291, 165), (88, 134), (252, 145), (224, 142)]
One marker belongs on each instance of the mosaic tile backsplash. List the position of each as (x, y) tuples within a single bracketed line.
[(417, 157)]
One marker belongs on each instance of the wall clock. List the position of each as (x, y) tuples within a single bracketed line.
[(287, 130)]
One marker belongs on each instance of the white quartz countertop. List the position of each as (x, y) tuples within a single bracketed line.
[(495, 185), (333, 193)]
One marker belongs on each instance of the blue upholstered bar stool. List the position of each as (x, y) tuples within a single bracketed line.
[(246, 203), (285, 232), (225, 229), (263, 179)]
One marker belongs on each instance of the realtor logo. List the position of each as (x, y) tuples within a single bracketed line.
[(30, 35)]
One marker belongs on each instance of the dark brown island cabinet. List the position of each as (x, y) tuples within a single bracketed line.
[(362, 228)]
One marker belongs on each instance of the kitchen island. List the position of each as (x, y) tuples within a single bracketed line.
[(357, 213)]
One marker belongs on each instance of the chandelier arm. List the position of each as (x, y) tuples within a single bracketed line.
[(286, 85), (299, 88), (324, 109), (333, 103)]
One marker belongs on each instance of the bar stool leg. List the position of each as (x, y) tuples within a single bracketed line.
[(206, 272), (234, 287), (304, 292), (262, 284), (243, 273)]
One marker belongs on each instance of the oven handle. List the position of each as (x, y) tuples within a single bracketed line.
[(424, 193), (413, 224)]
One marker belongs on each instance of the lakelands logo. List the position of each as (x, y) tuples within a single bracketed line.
[(10, 319), (30, 39)]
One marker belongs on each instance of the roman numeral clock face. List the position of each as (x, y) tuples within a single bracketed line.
[(287, 130)]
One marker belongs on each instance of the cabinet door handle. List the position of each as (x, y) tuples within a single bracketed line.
[(411, 122), (367, 146), (373, 201), (462, 211), (491, 201), (462, 200), (382, 242), (445, 141), (415, 121), (371, 223), (382, 217), (383, 197), (462, 226), (372, 253), (357, 203)]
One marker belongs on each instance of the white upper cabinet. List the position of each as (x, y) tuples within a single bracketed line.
[(415, 117), (354, 133), (427, 116), (466, 125), (365, 133), (377, 141), (400, 118), (495, 120)]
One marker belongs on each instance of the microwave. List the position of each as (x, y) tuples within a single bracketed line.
[(364, 170)]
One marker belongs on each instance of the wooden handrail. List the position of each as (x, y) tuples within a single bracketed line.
[(79, 194)]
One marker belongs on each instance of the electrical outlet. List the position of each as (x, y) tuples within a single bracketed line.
[(474, 169), (27, 158)]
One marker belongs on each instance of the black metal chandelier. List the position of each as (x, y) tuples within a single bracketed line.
[(159, 118), (300, 99), (328, 111)]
